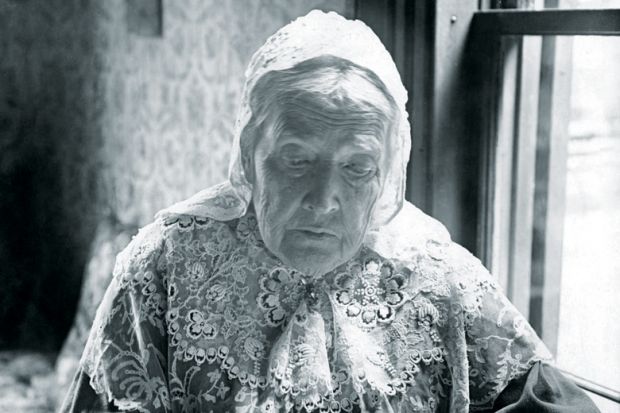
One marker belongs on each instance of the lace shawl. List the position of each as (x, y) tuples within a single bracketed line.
[(200, 316)]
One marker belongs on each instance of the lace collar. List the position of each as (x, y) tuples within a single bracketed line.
[(200, 316), (309, 340)]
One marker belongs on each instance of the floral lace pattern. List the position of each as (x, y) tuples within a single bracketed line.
[(371, 292), (202, 317)]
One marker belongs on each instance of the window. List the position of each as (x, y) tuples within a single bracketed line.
[(590, 258), (498, 156), (583, 4), (551, 185)]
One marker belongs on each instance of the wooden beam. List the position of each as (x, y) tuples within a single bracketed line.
[(485, 69), (604, 22), (549, 193), (453, 152), (419, 82), (379, 16), (503, 158), (524, 150)]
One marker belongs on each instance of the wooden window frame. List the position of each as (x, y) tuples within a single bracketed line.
[(522, 242), (550, 22), (470, 62)]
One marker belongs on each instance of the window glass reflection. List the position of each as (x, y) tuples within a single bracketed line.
[(590, 288), (582, 4)]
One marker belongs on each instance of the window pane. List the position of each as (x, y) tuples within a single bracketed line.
[(582, 4), (604, 405), (589, 330)]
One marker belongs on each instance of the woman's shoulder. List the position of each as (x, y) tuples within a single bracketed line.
[(176, 229), (464, 274), (175, 232), (423, 244), (408, 231), (144, 247)]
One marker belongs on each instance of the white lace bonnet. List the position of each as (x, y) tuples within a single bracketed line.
[(315, 34)]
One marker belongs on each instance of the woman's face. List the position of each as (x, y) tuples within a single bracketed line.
[(317, 174)]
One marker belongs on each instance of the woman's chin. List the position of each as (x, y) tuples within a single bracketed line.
[(312, 256), (313, 264)]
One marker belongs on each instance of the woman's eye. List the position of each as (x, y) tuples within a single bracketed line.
[(296, 162), (359, 170), (294, 157)]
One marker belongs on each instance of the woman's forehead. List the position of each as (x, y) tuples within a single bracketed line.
[(362, 129), (321, 121), (311, 113), (333, 142)]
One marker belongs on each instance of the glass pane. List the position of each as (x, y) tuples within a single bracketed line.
[(604, 405), (582, 4), (589, 327)]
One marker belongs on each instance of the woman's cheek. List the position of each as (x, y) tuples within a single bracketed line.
[(281, 193), (272, 181), (359, 203), (284, 190)]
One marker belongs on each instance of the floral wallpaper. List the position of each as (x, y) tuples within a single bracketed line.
[(96, 120), (170, 102)]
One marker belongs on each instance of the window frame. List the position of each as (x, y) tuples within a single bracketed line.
[(459, 86), (462, 84), (529, 168)]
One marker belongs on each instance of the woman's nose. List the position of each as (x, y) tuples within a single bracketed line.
[(322, 196)]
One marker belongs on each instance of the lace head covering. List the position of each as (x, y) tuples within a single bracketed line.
[(310, 36)]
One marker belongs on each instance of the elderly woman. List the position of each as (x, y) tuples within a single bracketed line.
[(306, 282)]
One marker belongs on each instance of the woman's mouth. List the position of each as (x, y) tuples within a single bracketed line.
[(318, 233)]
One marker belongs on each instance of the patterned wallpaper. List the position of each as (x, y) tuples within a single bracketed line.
[(169, 103), (95, 120)]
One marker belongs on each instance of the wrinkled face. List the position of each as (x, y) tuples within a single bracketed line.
[(317, 174)]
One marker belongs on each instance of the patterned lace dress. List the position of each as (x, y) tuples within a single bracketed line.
[(201, 317)]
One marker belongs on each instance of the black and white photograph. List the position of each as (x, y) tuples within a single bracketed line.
[(310, 206)]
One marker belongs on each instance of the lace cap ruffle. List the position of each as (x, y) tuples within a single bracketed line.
[(315, 34)]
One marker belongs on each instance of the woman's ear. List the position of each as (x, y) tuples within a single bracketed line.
[(247, 161), (248, 148), (247, 155)]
